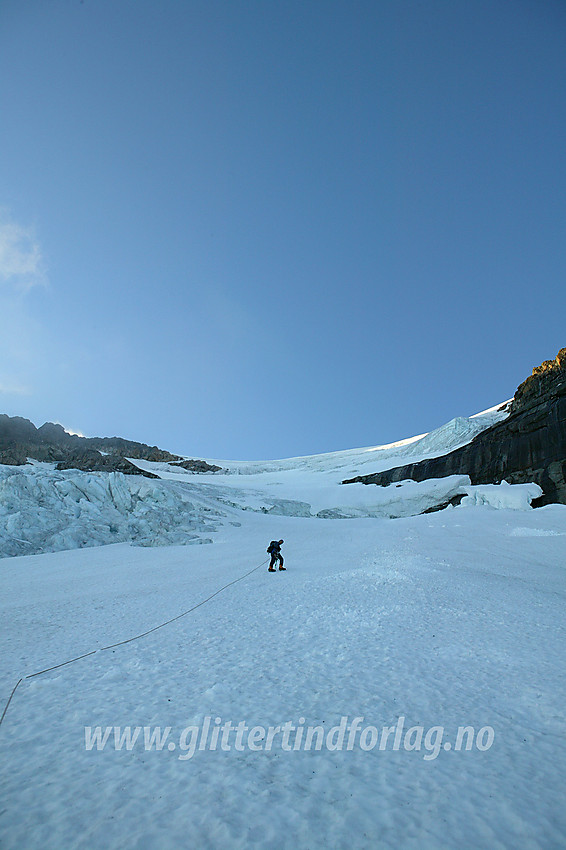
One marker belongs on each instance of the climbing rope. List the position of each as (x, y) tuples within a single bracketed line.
[(129, 640)]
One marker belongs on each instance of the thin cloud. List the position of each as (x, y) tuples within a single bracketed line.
[(22, 336), (22, 265), (14, 389)]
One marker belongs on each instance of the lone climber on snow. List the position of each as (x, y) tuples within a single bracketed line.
[(274, 550)]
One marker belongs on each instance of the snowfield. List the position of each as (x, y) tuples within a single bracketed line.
[(381, 632)]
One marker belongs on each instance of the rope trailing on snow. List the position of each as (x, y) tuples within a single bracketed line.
[(63, 664), (178, 617), (9, 700), (129, 640)]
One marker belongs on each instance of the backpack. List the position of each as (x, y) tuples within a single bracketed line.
[(273, 545)]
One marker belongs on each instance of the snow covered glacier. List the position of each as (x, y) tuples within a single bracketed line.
[(400, 633), (46, 510)]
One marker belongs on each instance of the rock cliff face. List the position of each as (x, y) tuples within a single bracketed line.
[(530, 445), (20, 440)]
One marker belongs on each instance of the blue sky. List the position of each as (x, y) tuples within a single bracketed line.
[(260, 229)]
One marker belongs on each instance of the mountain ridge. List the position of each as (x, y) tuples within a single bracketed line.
[(529, 445), (20, 440)]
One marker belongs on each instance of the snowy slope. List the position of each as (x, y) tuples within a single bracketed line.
[(452, 435), (311, 486), (423, 626), (447, 620)]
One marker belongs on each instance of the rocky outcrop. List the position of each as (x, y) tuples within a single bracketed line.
[(13, 457), (529, 445), (92, 461), (197, 466), (545, 381), (129, 448), (20, 440)]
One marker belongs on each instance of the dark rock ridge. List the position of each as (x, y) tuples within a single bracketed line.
[(197, 466), (20, 440), (529, 445)]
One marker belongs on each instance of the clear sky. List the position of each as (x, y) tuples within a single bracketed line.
[(263, 228)]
